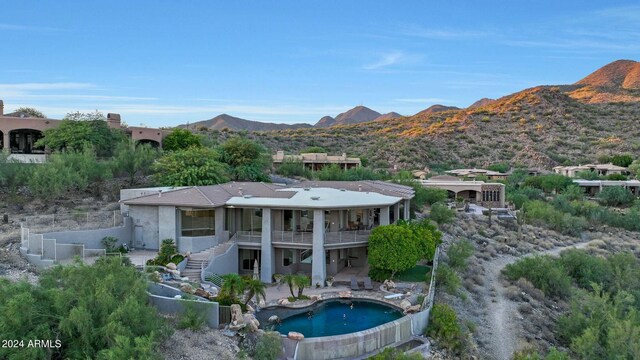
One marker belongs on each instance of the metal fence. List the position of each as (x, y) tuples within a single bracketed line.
[(224, 314), (76, 220)]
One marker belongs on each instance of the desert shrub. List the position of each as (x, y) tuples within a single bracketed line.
[(444, 327), (448, 279), (194, 166), (291, 168), (433, 195), (544, 214), (109, 243), (529, 354), (180, 139), (168, 249), (441, 214), (269, 346), (191, 318), (615, 196), (543, 272), (378, 274), (458, 254), (584, 268)]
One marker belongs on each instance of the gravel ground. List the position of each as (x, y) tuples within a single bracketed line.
[(207, 344)]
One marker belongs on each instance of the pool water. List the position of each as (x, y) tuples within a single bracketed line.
[(336, 317)]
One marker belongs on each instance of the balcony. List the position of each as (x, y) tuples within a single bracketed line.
[(304, 239)]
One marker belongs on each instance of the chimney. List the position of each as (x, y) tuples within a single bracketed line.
[(113, 121), (160, 193), (1, 108)]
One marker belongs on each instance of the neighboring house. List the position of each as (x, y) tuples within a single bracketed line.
[(475, 192), (473, 173), (316, 161), (593, 187), (19, 133), (316, 227), (600, 169), (421, 174)]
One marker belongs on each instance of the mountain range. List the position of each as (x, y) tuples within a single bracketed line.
[(543, 126)]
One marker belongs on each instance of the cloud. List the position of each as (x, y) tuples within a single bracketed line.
[(386, 60), (45, 86), (13, 27), (441, 34)]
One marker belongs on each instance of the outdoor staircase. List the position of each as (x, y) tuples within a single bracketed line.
[(197, 261)]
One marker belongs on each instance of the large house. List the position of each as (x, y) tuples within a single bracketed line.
[(475, 192), (317, 227), (600, 169), (316, 161), (473, 173), (593, 187), (19, 133)]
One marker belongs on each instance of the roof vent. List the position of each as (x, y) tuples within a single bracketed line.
[(160, 193), (359, 187), (343, 189), (248, 196), (307, 189), (315, 198)]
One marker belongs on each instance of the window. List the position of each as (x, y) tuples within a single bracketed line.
[(248, 258), (306, 255), (287, 257), (251, 219), (197, 222)]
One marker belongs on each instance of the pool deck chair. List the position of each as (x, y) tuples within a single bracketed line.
[(354, 284), (367, 283)]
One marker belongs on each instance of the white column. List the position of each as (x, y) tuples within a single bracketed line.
[(407, 209), (384, 215), (267, 257), (318, 266), (221, 235), (396, 212), (502, 196), (5, 141)]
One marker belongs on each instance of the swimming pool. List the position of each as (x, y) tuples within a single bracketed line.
[(338, 316)]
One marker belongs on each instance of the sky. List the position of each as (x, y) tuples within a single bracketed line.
[(164, 63)]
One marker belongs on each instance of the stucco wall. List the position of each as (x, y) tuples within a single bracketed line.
[(145, 218), (163, 298), (91, 238), (355, 344), (196, 244), (223, 264)]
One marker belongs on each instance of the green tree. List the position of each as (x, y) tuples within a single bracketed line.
[(502, 167), (634, 168), (31, 112), (247, 160), (190, 167), (441, 214), (393, 248), (255, 288), (99, 312), (180, 139), (292, 168), (433, 195), (623, 160), (232, 286), (289, 279), (134, 159), (615, 196), (80, 130), (300, 282), (443, 326)]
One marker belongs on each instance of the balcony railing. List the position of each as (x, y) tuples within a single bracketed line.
[(296, 237)]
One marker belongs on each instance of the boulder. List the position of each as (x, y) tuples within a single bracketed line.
[(315, 297), (295, 335), (405, 304), (388, 284), (344, 294), (274, 318), (252, 323), (172, 266), (237, 320), (250, 309), (412, 309), (187, 288), (283, 302)]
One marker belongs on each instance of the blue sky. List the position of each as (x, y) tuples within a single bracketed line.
[(163, 63)]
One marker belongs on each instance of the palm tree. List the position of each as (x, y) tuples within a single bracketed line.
[(290, 280), (301, 281), (255, 288), (232, 285)]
